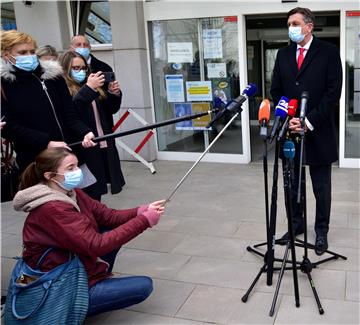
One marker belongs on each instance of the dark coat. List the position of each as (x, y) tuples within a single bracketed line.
[(93, 156), (31, 122), (97, 65), (321, 76)]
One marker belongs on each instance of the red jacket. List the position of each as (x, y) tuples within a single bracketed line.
[(60, 225)]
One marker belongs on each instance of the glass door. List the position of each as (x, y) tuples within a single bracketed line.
[(195, 68)]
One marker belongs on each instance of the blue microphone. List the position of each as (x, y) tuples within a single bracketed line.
[(289, 149), (281, 110), (235, 104)]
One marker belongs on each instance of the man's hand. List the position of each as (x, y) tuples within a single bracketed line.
[(87, 143), (114, 88), (295, 125), (95, 80)]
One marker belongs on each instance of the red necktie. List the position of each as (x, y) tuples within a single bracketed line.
[(301, 57)]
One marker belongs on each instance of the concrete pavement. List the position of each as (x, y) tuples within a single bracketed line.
[(197, 254)]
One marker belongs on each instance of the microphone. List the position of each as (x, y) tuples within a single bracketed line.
[(235, 104), (264, 117), (289, 149), (280, 114), (303, 104), (289, 154), (292, 107)]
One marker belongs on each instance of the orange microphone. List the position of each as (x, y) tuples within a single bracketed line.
[(264, 117)]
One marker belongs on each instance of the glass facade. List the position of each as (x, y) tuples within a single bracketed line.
[(352, 84), (8, 21), (194, 65)]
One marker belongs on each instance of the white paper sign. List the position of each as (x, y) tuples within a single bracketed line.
[(174, 88), (198, 91), (357, 79), (357, 103), (212, 40), (180, 52), (216, 70)]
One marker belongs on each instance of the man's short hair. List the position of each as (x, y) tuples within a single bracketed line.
[(307, 14)]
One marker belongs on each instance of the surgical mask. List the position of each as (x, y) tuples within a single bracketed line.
[(84, 51), (295, 34), (26, 62), (78, 76), (72, 179)]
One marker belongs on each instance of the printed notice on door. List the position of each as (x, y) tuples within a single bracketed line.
[(174, 88), (212, 41), (198, 91), (180, 52)]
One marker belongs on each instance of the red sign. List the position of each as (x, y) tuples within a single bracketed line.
[(230, 19), (353, 14)]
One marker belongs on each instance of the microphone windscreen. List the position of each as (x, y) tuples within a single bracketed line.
[(289, 149), (250, 90), (281, 108), (305, 95), (264, 111), (292, 107)]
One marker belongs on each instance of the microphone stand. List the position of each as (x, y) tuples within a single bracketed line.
[(269, 256), (290, 244)]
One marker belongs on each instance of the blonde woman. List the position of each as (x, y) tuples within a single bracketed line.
[(36, 104)]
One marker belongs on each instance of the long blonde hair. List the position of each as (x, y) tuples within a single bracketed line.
[(12, 37), (66, 62)]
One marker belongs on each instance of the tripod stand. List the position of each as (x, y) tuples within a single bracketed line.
[(289, 152)]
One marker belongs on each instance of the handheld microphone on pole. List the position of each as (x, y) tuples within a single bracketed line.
[(303, 104), (292, 107), (281, 110), (145, 128), (235, 105), (264, 117)]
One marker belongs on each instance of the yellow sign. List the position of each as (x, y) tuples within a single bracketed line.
[(201, 122)]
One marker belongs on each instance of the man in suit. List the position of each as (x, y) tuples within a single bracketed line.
[(309, 64), (81, 45)]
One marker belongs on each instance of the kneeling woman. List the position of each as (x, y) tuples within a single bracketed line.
[(65, 218)]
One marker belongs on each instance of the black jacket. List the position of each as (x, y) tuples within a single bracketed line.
[(92, 156), (97, 65), (31, 121), (321, 76)]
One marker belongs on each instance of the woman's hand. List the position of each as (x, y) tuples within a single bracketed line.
[(158, 206), (56, 144), (95, 80), (114, 88), (87, 143)]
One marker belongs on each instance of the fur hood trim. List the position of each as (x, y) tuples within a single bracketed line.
[(50, 70)]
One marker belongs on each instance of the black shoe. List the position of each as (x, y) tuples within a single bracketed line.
[(321, 245)]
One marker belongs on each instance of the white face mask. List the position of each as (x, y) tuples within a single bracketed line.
[(295, 34)]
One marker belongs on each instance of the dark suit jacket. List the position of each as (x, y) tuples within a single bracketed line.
[(321, 76)]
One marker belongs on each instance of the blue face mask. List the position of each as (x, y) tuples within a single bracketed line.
[(26, 62), (72, 179), (295, 34), (78, 76), (84, 51)]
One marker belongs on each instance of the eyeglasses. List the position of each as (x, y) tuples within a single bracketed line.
[(77, 68)]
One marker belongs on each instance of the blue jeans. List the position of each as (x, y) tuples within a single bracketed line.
[(116, 293)]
